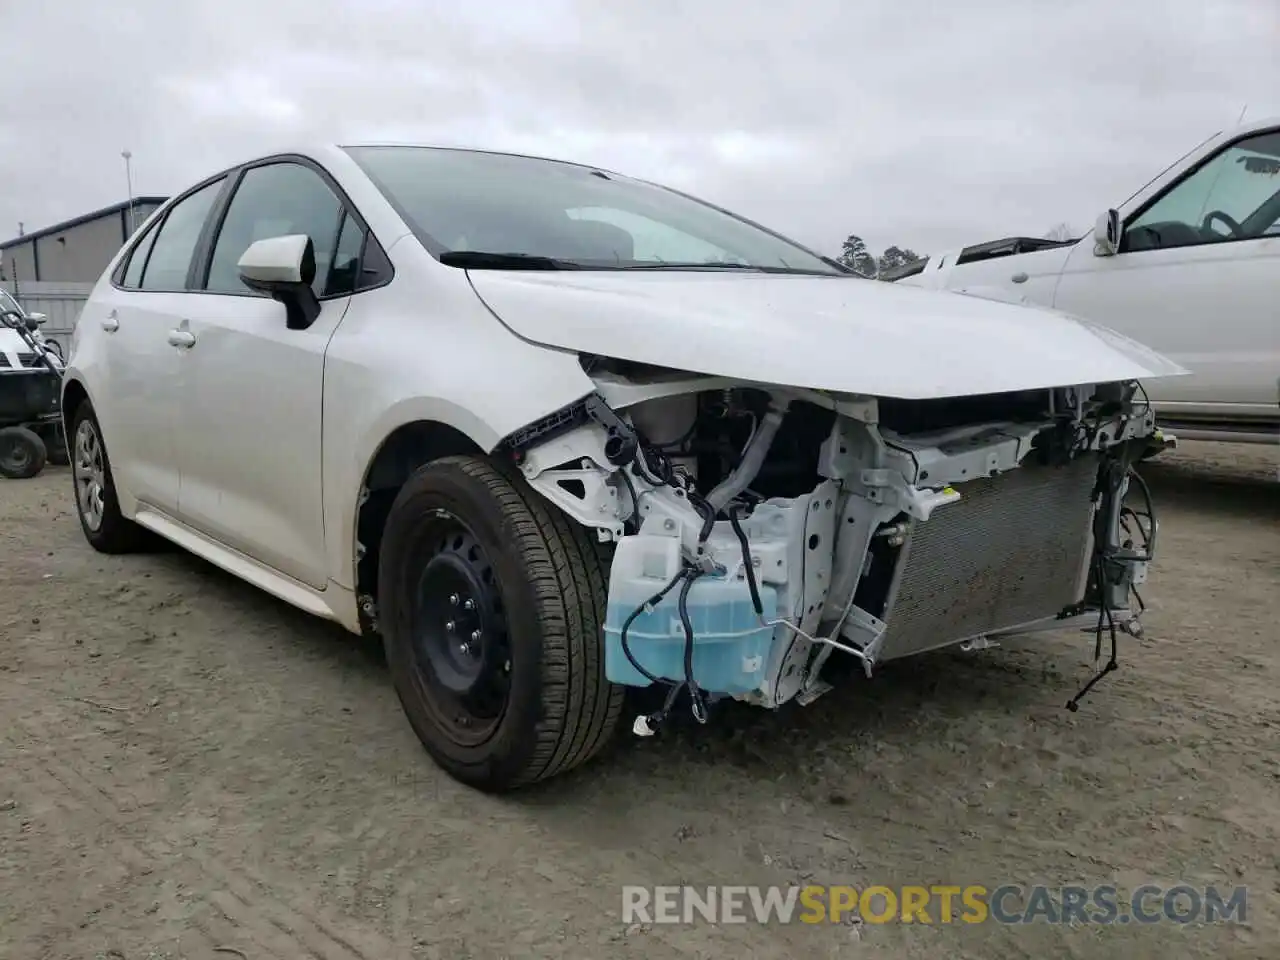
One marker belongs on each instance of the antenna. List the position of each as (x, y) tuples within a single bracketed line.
[(1243, 111), (128, 176)]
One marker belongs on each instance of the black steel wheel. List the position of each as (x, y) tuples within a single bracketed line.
[(22, 453), (492, 604), (462, 651)]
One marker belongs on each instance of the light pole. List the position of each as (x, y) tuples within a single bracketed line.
[(128, 177)]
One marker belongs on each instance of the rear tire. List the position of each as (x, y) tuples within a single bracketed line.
[(492, 607), (22, 453), (104, 526)]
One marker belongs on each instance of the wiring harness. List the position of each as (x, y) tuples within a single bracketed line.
[(1109, 563), (655, 468)]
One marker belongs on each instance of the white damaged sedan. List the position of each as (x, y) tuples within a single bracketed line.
[(553, 432)]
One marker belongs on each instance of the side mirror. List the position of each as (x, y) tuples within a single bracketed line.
[(1106, 234), (283, 268)]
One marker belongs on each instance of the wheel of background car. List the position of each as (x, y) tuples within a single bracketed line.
[(1212, 215), (105, 527), (492, 607), (22, 453)]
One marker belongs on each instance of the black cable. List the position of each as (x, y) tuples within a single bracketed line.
[(696, 695), (663, 476), (708, 513), (1146, 400), (746, 559), (1148, 532), (653, 601), (1105, 618), (685, 577), (635, 500), (1146, 492), (1142, 530)]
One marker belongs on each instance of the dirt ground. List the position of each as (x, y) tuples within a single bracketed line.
[(191, 769)]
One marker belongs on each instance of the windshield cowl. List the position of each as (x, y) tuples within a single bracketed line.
[(486, 260)]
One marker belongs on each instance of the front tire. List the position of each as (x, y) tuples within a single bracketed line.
[(104, 526), (492, 607), (22, 453)]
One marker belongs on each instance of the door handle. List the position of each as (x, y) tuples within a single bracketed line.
[(110, 323), (1019, 277), (182, 338)]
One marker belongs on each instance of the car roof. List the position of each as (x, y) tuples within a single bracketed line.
[(1252, 125), (337, 151)]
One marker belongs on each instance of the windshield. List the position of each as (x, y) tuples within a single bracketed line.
[(7, 303), (466, 201)]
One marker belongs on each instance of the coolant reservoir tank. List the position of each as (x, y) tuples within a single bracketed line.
[(730, 644)]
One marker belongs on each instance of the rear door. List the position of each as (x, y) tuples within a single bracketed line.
[(249, 446), (136, 386), (1197, 278)]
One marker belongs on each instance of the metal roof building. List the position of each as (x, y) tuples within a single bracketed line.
[(76, 250)]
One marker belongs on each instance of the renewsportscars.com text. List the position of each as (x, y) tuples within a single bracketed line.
[(936, 903)]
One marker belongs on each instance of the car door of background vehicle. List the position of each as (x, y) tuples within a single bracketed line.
[(1199, 288), (249, 431), (136, 385)]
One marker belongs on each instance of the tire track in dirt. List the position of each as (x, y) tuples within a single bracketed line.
[(250, 906), (52, 809), (244, 899)]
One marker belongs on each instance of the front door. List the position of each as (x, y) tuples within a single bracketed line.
[(1197, 278), (250, 442)]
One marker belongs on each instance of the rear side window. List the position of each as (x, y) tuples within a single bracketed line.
[(137, 260), (175, 243)]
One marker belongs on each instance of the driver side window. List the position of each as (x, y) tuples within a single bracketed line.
[(273, 200), (1234, 196)]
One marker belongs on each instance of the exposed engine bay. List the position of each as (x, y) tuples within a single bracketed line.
[(759, 531)]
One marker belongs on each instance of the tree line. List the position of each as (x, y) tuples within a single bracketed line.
[(855, 255)]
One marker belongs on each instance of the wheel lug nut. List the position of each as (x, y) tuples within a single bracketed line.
[(469, 605), (453, 598), (475, 636), (451, 626), (464, 648)]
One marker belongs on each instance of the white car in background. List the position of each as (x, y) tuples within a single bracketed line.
[(552, 431), (1189, 265), (15, 354)]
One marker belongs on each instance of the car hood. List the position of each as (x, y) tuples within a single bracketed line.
[(841, 334)]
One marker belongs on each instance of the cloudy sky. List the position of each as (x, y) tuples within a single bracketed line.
[(924, 123)]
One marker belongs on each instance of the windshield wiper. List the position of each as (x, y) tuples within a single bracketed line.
[(482, 260), (716, 265)]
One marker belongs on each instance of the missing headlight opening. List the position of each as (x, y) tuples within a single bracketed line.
[(761, 536)]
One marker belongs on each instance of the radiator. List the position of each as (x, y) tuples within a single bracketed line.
[(1011, 551)]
